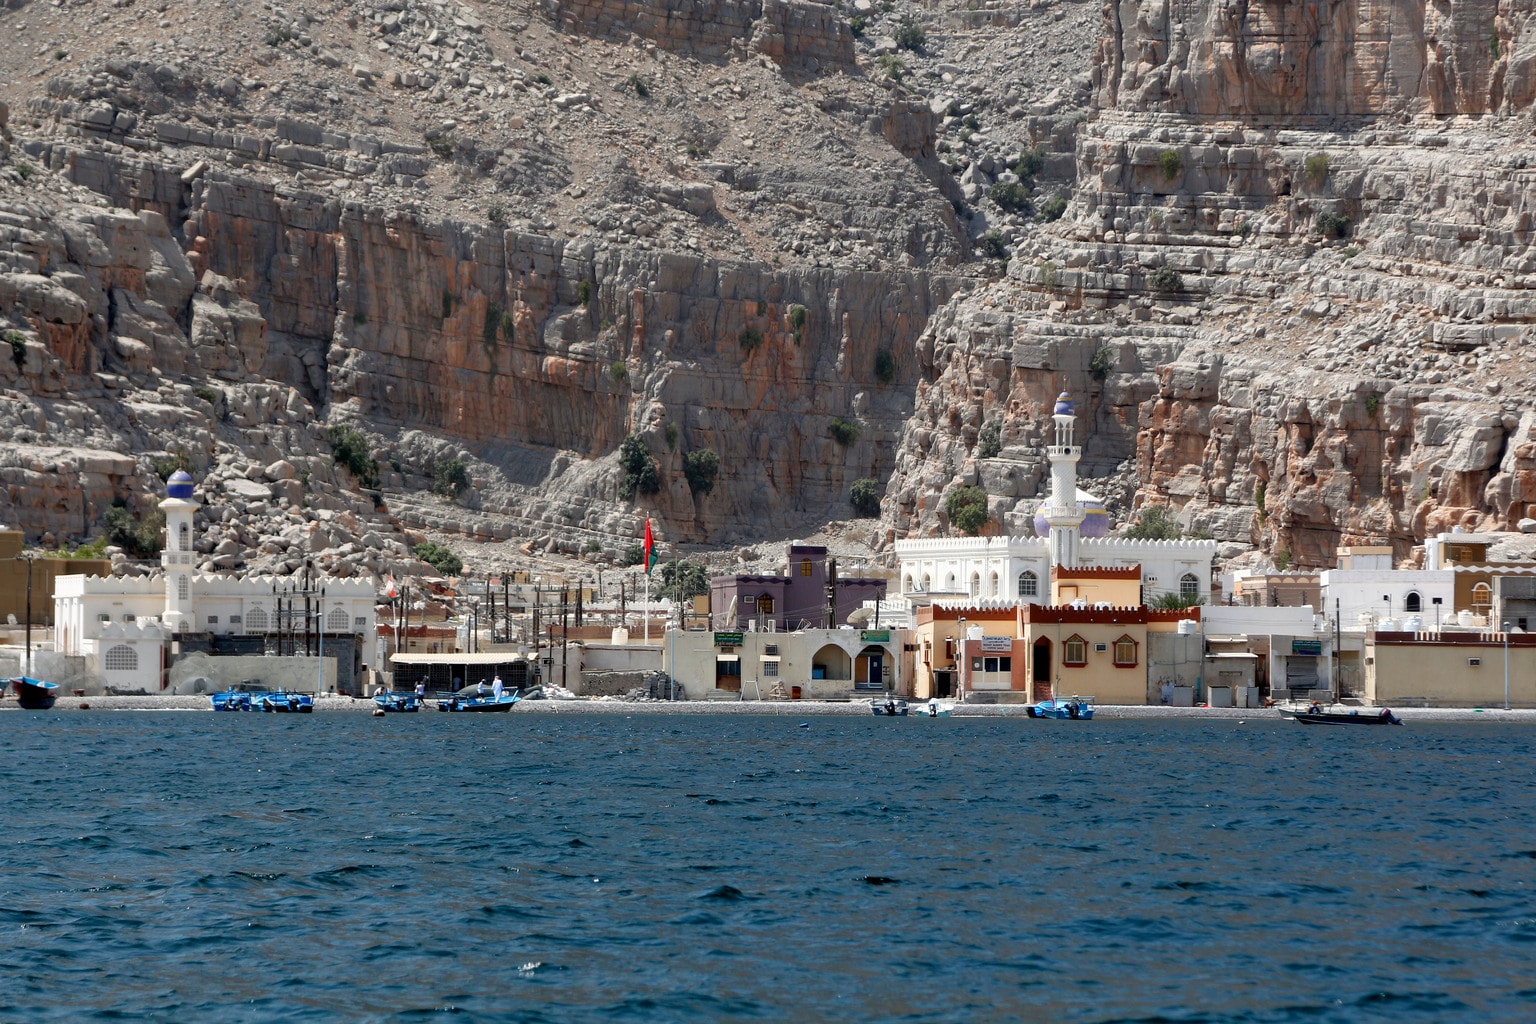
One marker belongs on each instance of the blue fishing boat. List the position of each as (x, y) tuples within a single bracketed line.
[(1076, 707), (275, 701), (480, 704), (287, 703), (398, 701), (34, 694)]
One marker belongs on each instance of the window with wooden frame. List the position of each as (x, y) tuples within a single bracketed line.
[(1125, 652), (1074, 652)]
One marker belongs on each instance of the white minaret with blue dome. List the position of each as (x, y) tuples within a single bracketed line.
[(1062, 511), (178, 558)]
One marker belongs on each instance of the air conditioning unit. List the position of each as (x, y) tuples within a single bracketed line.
[(1474, 661)]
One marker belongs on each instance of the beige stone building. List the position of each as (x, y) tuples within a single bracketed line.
[(1451, 669)]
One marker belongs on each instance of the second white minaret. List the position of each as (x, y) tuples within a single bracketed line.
[(1063, 513), (178, 559)]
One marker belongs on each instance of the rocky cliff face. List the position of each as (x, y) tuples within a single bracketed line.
[(1297, 296), (1290, 278)]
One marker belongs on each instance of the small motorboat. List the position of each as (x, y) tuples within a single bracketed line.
[(287, 703), (933, 709), (1075, 707), (401, 702), (34, 694), (891, 706), (488, 703), (1385, 717), (275, 701)]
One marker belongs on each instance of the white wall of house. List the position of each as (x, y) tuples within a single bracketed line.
[(1384, 593), (991, 567)]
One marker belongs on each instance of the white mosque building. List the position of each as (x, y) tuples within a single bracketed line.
[(1071, 530), (126, 628)]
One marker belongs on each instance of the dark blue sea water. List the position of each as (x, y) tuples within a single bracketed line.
[(209, 868)]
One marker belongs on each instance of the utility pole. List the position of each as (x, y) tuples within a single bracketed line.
[(831, 593), (565, 639)]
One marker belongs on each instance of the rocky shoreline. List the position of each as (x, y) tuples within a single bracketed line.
[(802, 708)]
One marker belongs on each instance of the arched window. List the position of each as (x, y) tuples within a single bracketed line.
[(949, 583), (183, 589), (906, 584), (1482, 598), (1029, 584), (121, 658), (1125, 652), (256, 621), (765, 604), (927, 583), (1413, 602), (1189, 587), (1074, 652), (992, 586), (337, 620), (975, 588), (183, 541)]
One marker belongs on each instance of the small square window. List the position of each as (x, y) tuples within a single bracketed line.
[(213, 620), (234, 620)]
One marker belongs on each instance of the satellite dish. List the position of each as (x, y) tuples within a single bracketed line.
[(859, 616)]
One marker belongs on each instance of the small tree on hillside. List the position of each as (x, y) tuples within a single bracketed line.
[(640, 473), (966, 508), (864, 496), (1156, 522), (681, 580)]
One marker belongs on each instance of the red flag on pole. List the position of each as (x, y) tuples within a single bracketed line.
[(650, 546)]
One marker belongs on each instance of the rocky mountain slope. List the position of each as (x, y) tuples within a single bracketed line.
[(1282, 253)]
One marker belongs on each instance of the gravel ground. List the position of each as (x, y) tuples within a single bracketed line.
[(803, 708)]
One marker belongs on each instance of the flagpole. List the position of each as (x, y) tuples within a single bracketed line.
[(647, 610)]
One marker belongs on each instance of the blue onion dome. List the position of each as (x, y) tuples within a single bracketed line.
[(179, 485), (1042, 524), (1064, 404), (1095, 523)]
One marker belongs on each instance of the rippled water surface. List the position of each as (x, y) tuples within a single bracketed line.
[(198, 867)]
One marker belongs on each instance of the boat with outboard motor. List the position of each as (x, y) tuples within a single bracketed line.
[(391, 701), (1076, 707), (34, 694), (933, 709), (480, 704), (1385, 717), (273, 701), (888, 706)]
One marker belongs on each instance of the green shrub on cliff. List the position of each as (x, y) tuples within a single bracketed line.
[(966, 508), (1171, 163), (864, 496), (1166, 279), (640, 473), (350, 448), (440, 558), (700, 468)]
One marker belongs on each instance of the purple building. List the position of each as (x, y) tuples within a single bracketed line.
[(795, 600)]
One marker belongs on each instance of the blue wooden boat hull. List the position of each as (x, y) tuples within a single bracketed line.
[(398, 702), (272, 702), (34, 694), (1062, 709), (479, 704)]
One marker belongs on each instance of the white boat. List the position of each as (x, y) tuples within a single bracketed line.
[(933, 709), (893, 706)]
